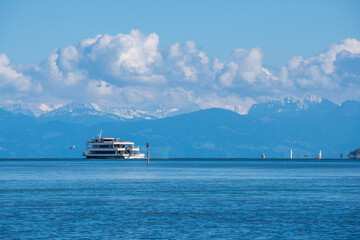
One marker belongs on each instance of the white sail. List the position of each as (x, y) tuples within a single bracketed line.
[(320, 154), (291, 154)]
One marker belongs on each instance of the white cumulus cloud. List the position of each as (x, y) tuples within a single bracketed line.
[(333, 70), (133, 70), (10, 78)]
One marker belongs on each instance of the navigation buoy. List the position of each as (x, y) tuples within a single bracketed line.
[(147, 146)]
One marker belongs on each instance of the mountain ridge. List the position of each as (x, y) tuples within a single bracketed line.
[(205, 133), (50, 111)]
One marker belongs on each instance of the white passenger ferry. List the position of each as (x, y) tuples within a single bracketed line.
[(111, 148)]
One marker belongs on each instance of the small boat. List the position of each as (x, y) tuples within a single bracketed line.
[(319, 157), (105, 148)]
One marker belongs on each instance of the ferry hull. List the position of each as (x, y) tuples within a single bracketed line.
[(137, 156), (117, 157)]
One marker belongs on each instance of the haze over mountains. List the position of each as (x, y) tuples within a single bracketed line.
[(305, 125)]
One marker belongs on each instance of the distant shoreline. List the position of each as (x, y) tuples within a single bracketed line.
[(184, 159)]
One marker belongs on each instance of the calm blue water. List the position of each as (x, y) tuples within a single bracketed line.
[(178, 199)]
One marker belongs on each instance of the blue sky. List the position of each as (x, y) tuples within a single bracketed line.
[(227, 54), (30, 30)]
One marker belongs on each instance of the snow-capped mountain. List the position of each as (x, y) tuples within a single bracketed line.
[(290, 107), (44, 108), (30, 109), (91, 113), (23, 109), (80, 113)]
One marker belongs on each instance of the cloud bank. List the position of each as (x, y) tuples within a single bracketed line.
[(134, 71)]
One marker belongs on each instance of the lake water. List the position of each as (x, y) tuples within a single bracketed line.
[(179, 199)]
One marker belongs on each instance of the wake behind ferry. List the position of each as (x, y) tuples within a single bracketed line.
[(111, 148)]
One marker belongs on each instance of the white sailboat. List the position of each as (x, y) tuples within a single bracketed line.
[(291, 155), (319, 157)]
